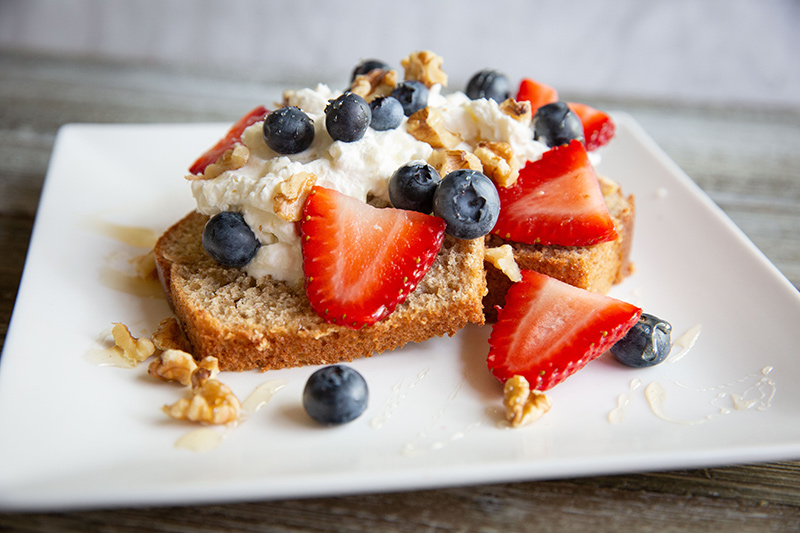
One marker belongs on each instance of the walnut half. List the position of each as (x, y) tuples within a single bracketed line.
[(523, 405), (427, 125), (292, 194), (426, 67), (133, 349), (212, 402)]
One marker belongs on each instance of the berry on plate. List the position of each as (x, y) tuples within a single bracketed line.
[(335, 395), (647, 343), (488, 84), (360, 262), (556, 124), (413, 185), (229, 240), (548, 330), (538, 94), (387, 113), (412, 95), (468, 202), (556, 200), (598, 128), (288, 130), (347, 117), (230, 139)]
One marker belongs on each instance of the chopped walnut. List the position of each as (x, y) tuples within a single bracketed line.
[(427, 125), (425, 66), (177, 365), (291, 196), (173, 365), (212, 402), (133, 349), (519, 111), (523, 405), (502, 257), (498, 162), (170, 337), (446, 161), (231, 159), (377, 82)]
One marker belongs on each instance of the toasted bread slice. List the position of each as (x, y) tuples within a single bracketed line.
[(596, 268), (264, 324)]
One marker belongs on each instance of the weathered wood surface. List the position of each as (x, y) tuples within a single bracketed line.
[(746, 159)]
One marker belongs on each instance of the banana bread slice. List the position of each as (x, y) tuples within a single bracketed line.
[(265, 324)]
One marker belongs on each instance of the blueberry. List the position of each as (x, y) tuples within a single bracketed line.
[(646, 344), (489, 84), (335, 395), (412, 95), (555, 124), (229, 240), (368, 65), (387, 113), (468, 202), (347, 117), (412, 187), (288, 130)]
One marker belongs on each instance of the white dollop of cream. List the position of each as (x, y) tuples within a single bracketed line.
[(358, 169)]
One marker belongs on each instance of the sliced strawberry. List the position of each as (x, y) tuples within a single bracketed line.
[(598, 128), (233, 136), (360, 262), (538, 94), (549, 330), (556, 200)]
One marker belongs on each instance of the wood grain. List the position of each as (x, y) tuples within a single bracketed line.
[(746, 159)]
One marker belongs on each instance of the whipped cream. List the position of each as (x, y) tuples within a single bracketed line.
[(359, 169)]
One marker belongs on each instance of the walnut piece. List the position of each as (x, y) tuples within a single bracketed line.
[(502, 257), (427, 125), (523, 406), (446, 161), (231, 159), (170, 337), (133, 349), (425, 66), (377, 82), (519, 111), (177, 365), (498, 162), (212, 402), (291, 196)]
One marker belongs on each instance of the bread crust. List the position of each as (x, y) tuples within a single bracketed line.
[(266, 324), (596, 268)]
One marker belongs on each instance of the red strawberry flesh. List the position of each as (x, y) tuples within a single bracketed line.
[(360, 262), (538, 94), (548, 330), (556, 200), (598, 128), (230, 139)]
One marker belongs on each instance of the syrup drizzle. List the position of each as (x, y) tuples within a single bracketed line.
[(399, 394), (758, 393), (206, 439)]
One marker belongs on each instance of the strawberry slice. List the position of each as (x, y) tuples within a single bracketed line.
[(360, 262), (233, 136), (598, 128), (556, 200), (538, 94), (549, 330)]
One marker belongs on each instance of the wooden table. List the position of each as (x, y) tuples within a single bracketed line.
[(747, 159)]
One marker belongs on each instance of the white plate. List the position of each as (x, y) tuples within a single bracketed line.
[(75, 434)]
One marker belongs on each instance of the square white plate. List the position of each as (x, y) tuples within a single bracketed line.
[(76, 434)]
